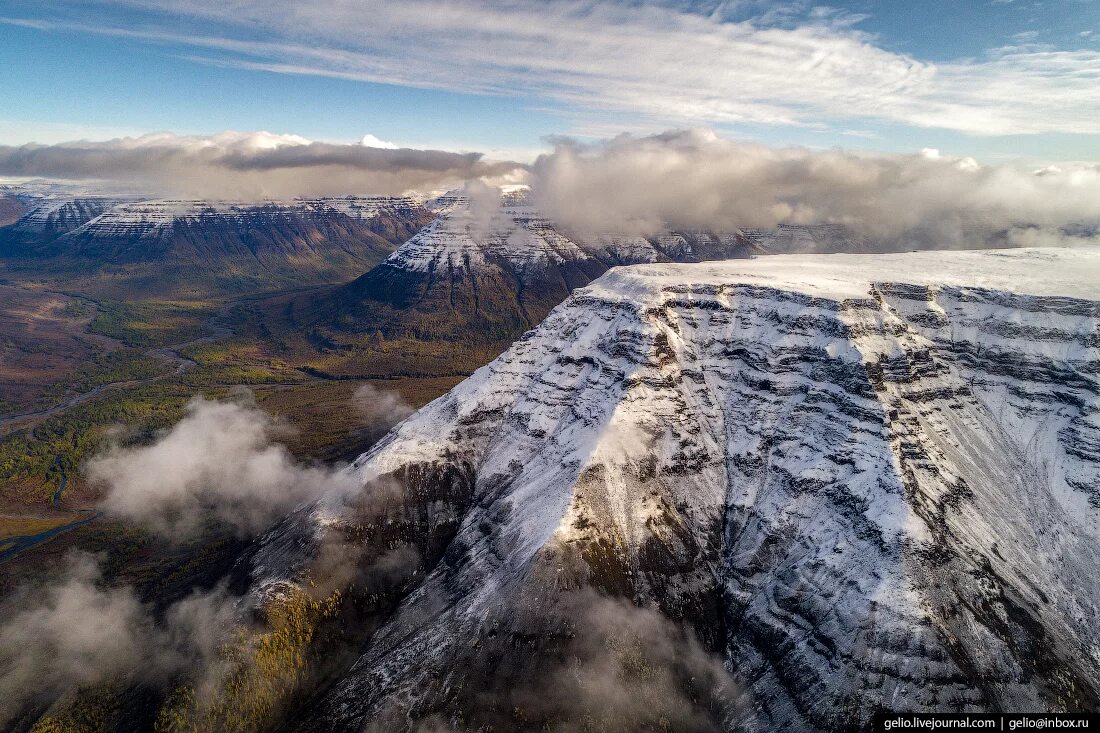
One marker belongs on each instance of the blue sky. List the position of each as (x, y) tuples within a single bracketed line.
[(988, 78)]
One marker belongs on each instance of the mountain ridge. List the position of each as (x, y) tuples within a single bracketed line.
[(835, 478), (483, 272), (221, 246)]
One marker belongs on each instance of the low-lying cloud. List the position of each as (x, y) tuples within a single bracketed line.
[(695, 179), (247, 166), (579, 660), (379, 408), (76, 633), (220, 463), (629, 668)]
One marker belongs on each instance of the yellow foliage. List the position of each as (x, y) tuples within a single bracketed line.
[(90, 712), (265, 670)]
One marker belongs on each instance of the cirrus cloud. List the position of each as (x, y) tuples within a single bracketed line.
[(659, 61)]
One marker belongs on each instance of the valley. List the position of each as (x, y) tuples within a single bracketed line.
[(87, 352), (544, 366)]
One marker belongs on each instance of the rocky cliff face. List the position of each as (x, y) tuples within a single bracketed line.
[(864, 481)]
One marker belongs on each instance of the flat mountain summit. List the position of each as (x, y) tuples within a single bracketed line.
[(862, 482), (164, 246), (483, 272)]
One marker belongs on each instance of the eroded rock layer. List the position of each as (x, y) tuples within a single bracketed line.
[(865, 482)]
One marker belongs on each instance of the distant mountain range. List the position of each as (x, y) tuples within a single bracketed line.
[(216, 246), (500, 270), (377, 286)]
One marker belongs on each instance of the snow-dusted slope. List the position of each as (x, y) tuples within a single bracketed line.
[(478, 235), (496, 267), (153, 219), (463, 236), (868, 481), (193, 248), (493, 270), (118, 216), (240, 245), (514, 236), (57, 216)]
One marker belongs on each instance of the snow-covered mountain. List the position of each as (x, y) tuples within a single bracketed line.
[(54, 216), (155, 219), (85, 220), (497, 270), (243, 245), (866, 482), (515, 237)]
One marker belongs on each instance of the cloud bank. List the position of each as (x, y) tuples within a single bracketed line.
[(694, 179), (248, 165), (691, 179), (219, 463)]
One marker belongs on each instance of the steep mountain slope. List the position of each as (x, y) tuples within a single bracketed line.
[(11, 208), (480, 275), (865, 481), (507, 267), (235, 246), (50, 217), (496, 273)]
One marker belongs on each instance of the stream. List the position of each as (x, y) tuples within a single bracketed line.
[(20, 543), (216, 329), (214, 326)]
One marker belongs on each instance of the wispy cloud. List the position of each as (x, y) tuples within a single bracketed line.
[(222, 464), (76, 633), (219, 464), (789, 64)]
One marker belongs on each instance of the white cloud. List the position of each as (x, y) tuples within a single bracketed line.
[(650, 59), (380, 407), (371, 141), (221, 463), (695, 179), (247, 165), (75, 633)]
